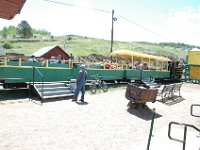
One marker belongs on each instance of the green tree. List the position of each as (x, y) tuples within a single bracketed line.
[(12, 30), (24, 29), (7, 45), (4, 32), (41, 32), (52, 37)]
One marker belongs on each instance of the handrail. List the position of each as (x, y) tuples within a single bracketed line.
[(185, 132), (191, 110), (42, 76)]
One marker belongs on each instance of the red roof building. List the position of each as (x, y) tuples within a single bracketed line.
[(48, 52), (9, 8)]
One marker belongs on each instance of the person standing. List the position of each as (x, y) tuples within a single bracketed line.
[(80, 83)]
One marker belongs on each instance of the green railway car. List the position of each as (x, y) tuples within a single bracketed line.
[(14, 72)]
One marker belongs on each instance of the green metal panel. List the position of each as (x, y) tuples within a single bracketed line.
[(50, 74), (63, 74), (132, 74), (107, 74), (143, 74), (155, 74), (58, 65), (8, 72), (36, 64)]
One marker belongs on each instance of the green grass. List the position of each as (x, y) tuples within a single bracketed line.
[(84, 46)]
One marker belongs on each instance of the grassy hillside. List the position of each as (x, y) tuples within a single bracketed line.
[(84, 46)]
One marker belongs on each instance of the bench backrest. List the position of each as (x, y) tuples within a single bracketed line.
[(168, 88), (177, 86)]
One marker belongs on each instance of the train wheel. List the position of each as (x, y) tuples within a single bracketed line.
[(93, 87), (104, 86)]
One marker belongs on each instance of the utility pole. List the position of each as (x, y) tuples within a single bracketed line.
[(113, 19)]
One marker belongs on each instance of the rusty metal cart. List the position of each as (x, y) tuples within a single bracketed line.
[(139, 94)]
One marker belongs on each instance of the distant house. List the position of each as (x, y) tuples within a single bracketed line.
[(15, 56), (2, 51), (48, 52)]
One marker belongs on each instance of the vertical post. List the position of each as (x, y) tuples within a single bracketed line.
[(46, 63), (29, 89), (156, 64), (20, 62), (71, 60), (149, 63), (184, 138), (132, 62), (111, 48), (33, 75), (151, 129), (69, 64), (186, 71), (5, 61)]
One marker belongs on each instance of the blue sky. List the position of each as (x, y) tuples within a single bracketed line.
[(145, 20)]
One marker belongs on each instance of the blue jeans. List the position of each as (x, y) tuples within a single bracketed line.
[(78, 88)]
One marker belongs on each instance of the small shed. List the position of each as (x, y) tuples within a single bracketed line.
[(194, 56), (2, 51), (48, 52)]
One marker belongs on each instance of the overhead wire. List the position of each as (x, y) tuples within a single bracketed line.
[(106, 11), (73, 5), (130, 21)]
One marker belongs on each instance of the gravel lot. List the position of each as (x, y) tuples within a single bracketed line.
[(103, 123)]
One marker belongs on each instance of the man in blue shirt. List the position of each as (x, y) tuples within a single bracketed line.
[(80, 83)]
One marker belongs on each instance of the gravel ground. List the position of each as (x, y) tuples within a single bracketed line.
[(103, 123)]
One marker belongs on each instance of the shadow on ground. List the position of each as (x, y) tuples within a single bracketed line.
[(175, 100), (81, 103), (22, 97), (143, 113)]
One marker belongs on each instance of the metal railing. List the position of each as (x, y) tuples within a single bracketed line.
[(192, 110), (185, 127), (185, 132), (41, 75)]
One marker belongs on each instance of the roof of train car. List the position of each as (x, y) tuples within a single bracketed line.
[(9, 8), (130, 54), (195, 50)]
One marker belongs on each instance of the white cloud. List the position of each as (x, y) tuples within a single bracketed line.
[(183, 25), (177, 26)]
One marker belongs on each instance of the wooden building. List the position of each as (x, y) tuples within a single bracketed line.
[(49, 52), (9, 8)]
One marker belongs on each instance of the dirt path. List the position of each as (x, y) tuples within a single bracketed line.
[(104, 123)]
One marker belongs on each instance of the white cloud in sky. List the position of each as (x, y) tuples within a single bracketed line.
[(183, 25)]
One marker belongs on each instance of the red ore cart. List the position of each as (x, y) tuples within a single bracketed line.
[(139, 94)]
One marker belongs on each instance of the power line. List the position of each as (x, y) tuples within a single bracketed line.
[(143, 27), (95, 9), (105, 11)]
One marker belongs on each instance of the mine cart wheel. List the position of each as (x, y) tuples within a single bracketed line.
[(144, 106), (135, 105), (129, 104)]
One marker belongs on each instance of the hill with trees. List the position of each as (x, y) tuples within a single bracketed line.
[(25, 39)]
